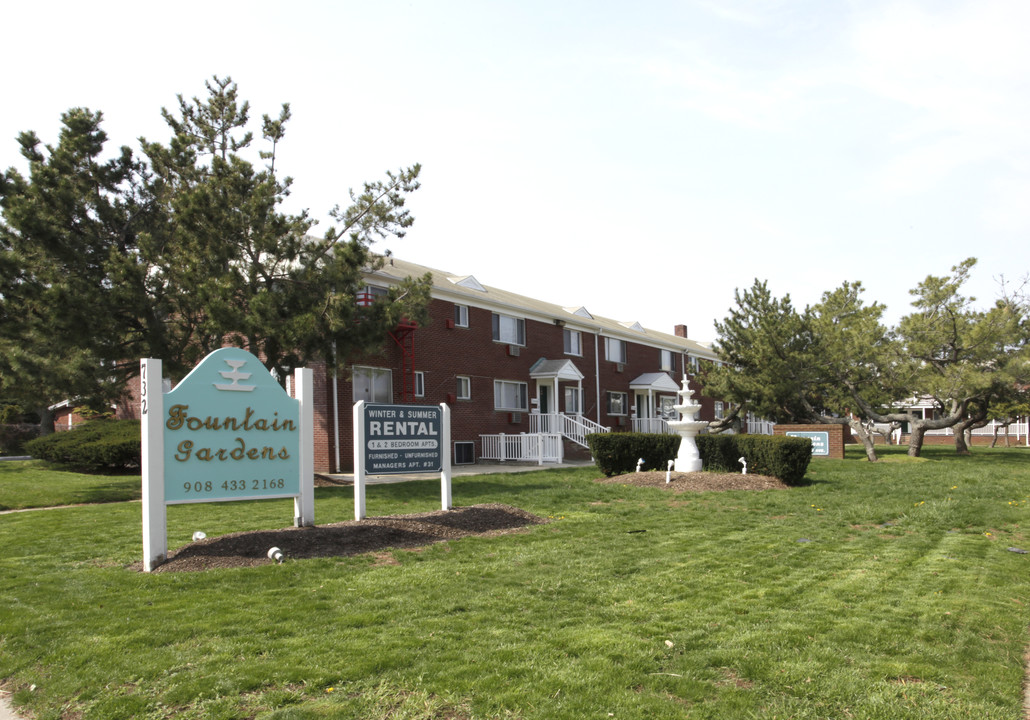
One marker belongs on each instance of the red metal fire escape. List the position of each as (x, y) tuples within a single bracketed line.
[(404, 336)]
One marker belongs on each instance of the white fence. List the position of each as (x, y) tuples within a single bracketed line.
[(536, 447), (651, 425), (1017, 431)]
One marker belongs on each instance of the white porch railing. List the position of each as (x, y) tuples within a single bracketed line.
[(574, 427), (538, 447), (651, 425), (757, 426)]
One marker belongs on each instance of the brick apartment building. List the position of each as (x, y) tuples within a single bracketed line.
[(506, 363)]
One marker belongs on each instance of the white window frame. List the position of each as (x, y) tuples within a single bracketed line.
[(509, 329), (420, 384), (573, 342), (667, 360), (377, 394), (461, 315), (624, 401), (615, 350), (522, 391), (573, 400), (463, 390), (718, 410)]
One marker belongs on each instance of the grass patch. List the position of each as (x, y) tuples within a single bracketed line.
[(34, 483), (883, 590)]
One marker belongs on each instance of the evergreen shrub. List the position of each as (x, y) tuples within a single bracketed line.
[(94, 446)]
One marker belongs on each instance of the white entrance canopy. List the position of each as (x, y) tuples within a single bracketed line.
[(553, 372), (650, 385), (544, 369), (655, 382)]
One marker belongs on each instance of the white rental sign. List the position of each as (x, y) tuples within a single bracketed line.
[(401, 439)]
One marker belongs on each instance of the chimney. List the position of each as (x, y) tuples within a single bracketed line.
[(681, 331)]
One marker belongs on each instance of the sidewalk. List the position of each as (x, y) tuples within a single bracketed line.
[(463, 470)]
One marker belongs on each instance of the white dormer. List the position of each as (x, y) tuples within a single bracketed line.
[(581, 311), (468, 282), (634, 326)]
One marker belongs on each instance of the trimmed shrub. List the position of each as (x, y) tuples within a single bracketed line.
[(785, 458), (94, 446), (618, 453), (13, 437)]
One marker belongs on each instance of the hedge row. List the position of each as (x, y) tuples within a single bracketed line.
[(785, 458), (14, 436), (97, 445)]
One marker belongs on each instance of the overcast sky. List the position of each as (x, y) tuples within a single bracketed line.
[(641, 159)]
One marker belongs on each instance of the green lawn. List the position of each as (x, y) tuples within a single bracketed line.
[(33, 483), (876, 591)]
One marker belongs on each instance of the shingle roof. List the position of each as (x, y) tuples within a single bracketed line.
[(466, 289)]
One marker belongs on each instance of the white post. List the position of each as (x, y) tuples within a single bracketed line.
[(504, 448), (445, 457), (359, 460), (304, 504), (155, 518)]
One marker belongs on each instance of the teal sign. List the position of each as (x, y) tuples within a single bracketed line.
[(820, 440), (231, 433)]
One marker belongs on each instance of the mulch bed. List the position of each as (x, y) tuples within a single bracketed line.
[(376, 534), (698, 481)]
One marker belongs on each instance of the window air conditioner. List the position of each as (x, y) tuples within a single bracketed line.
[(513, 350)]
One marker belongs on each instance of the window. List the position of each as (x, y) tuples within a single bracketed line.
[(461, 316), (572, 401), (511, 330), (510, 395), (573, 342), (615, 350), (420, 384), (464, 387), (616, 403), (667, 407), (372, 384), (668, 361), (694, 365), (369, 294), (464, 453), (718, 410)]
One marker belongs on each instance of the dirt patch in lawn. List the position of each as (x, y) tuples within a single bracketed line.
[(371, 535), (698, 481)]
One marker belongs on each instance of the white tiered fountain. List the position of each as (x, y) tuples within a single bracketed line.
[(688, 459)]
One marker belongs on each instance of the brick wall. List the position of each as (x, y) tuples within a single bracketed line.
[(443, 351)]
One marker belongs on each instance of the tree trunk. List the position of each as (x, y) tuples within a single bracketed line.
[(46, 421), (964, 431), (961, 445), (915, 440), (865, 436)]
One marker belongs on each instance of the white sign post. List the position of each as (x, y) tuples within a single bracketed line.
[(401, 439), (227, 432)]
